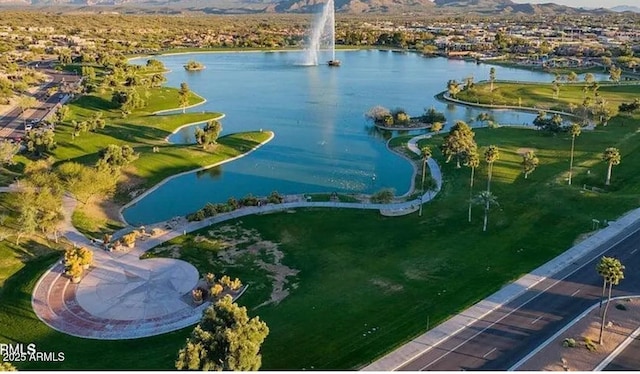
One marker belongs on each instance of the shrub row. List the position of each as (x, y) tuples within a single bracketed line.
[(210, 210)]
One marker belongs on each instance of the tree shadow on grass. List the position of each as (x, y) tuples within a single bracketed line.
[(91, 102)]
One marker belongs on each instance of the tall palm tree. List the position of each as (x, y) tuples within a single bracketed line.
[(426, 155), (612, 156), (574, 130), (487, 199), (490, 156), (473, 161), (492, 76), (612, 272)]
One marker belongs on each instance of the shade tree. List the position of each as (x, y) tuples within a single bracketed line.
[(458, 143), (208, 135), (225, 339)]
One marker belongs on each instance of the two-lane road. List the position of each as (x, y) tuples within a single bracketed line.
[(503, 337)]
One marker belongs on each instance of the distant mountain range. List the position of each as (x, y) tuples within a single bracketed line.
[(626, 8), (346, 6)]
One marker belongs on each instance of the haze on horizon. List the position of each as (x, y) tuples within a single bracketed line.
[(581, 3)]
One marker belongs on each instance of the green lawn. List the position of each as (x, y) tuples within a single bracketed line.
[(366, 283), (142, 130), (359, 270), (540, 95)]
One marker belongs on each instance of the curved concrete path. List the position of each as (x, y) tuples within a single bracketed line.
[(124, 297)]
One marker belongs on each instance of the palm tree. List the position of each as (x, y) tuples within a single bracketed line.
[(612, 156), (487, 199), (574, 130), (473, 161), (492, 77), (529, 163), (426, 155), (490, 156), (612, 272)]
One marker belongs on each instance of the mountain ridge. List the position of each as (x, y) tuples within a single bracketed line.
[(311, 6)]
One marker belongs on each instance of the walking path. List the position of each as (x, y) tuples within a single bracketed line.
[(124, 297), (452, 326)]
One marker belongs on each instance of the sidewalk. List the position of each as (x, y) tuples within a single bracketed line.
[(440, 333)]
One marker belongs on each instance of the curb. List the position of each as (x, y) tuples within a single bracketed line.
[(432, 338), (566, 327)]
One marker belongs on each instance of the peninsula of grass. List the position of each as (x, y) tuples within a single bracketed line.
[(372, 284), (143, 131), (541, 95)]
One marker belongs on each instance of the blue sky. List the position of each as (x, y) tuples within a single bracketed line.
[(582, 3)]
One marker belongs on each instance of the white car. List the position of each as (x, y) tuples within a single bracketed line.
[(28, 127)]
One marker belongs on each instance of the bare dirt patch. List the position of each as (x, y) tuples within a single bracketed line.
[(239, 242), (620, 324)]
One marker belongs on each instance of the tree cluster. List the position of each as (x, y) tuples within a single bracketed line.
[(553, 123), (432, 116), (39, 201), (115, 157), (128, 100), (40, 142), (208, 135), (210, 210), (76, 261), (225, 339)]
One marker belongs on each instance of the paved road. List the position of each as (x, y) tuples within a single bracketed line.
[(628, 360), (12, 123), (500, 339)]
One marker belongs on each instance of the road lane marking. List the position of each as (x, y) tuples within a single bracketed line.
[(634, 251), (536, 320), (488, 353), (573, 294), (541, 292)]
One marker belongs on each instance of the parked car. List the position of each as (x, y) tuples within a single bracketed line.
[(28, 127)]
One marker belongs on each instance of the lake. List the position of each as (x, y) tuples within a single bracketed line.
[(323, 142)]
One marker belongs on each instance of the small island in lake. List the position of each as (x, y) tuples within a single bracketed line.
[(194, 66)]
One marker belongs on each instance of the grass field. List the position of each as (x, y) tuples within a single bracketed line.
[(541, 95), (143, 131), (359, 270), (366, 283)]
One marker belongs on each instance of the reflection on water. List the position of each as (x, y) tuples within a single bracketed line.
[(322, 140), (214, 173)]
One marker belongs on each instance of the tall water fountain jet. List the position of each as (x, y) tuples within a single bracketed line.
[(324, 29)]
